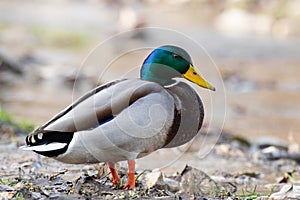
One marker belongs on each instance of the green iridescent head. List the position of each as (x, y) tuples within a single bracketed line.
[(168, 62)]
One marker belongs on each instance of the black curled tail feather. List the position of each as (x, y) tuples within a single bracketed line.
[(45, 137)]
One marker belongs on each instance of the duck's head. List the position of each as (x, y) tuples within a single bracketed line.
[(168, 62)]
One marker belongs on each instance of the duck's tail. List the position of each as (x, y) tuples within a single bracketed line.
[(48, 143)]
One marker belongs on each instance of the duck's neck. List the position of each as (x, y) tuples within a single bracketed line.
[(158, 73), (155, 70)]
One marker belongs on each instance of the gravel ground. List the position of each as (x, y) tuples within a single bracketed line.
[(266, 169)]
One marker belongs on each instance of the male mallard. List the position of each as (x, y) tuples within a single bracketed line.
[(127, 119)]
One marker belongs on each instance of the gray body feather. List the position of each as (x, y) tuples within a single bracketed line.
[(127, 119)]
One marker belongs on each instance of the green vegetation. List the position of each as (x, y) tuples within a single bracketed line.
[(289, 177), (220, 192), (23, 124), (251, 195), (8, 182), (19, 196), (12, 182), (139, 175), (26, 126), (246, 194), (61, 38), (4, 116)]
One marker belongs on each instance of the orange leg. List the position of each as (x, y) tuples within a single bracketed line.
[(131, 179), (115, 177)]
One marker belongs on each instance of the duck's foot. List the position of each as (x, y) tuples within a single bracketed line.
[(131, 179), (114, 174), (130, 183)]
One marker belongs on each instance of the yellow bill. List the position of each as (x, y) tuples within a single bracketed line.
[(194, 77)]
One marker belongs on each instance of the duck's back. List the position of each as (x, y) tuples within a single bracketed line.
[(126, 120), (121, 120)]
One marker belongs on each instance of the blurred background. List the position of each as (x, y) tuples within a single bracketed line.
[(254, 43)]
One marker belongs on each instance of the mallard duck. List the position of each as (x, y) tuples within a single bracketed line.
[(129, 118)]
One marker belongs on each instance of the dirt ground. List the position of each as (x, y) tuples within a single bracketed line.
[(249, 171)]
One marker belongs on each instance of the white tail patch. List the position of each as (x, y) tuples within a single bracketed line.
[(45, 147), (40, 136)]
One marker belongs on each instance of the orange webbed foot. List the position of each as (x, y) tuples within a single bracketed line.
[(114, 174), (131, 179), (116, 179), (130, 183)]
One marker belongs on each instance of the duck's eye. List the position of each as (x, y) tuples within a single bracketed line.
[(176, 56)]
